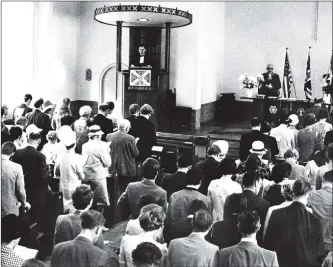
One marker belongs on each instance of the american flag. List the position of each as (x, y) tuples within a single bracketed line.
[(307, 82), (287, 78)]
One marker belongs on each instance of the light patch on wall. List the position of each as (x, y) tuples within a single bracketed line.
[(57, 74)]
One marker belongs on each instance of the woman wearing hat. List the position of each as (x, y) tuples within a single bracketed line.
[(294, 121)]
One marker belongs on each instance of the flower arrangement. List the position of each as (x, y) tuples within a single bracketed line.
[(248, 82)]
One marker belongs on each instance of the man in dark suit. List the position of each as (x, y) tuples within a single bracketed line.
[(23, 109), (252, 184), (130, 198), (146, 132), (4, 130), (269, 142), (177, 181), (270, 85), (315, 109), (81, 251), (328, 138), (40, 119), (246, 252), (141, 60), (248, 138), (101, 119), (294, 233), (134, 111), (35, 173), (209, 167)]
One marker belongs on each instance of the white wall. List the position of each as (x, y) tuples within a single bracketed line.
[(17, 51), (258, 33)]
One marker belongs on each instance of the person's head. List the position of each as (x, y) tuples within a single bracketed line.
[(214, 151), (258, 148), (5, 110), (95, 132), (252, 181), (293, 120), (63, 103), (318, 102), (270, 68), (281, 172), (184, 162), (27, 99), (34, 135), (194, 176), (301, 190), (196, 205), (330, 151), (39, 103), (142, 50), (323, 114), (2, 112), (145, 200), (266, 128), (249, 223), (147, 254), (226, 167), (287, 191), (255, 123), (85, 111), (92, 223), (146, 110), (52, 137), (318, 157), (134, 109), (202, 220), (234, 205), (309, 119), (104, 109), (10, 230), (291, 155), (33, 263), (124, 125), (22, 122), (150, 168), (8, 149), (328, 177), (16, 133), (110, 105), (151, 217), (284, 116), (252, 162), (67, 120), (82, 197), (224, 147)]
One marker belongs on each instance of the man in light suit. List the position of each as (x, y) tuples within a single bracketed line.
[(193, 250), (246, 252), (130, 198)]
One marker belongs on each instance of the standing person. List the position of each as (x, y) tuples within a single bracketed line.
[(134, 111), (298, 171), (322, 126), (98, 160), (246, 252), (293, 124), (61, 109), (270, 142), (325, 168), (101, 119), (81, 251), (36, 175), (193, 250), (23, 109), (16, 134), (123, 152), (270, 85), (146, 132), (313, 166), (316, 108), (81, 124), (12, 183)]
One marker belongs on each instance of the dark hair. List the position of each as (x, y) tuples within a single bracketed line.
[(309, 119), (301, 187), (284, 116), (67, 120), (146, 110), (194, 176), (90, 122), (22, 121), (82, 196), (10, 228), (248, 222), (38, 103), (33, 263), (319, 157), (184, 162), (15, 132), (213, 150), (151, 217), (110, 105), (328, 176), (226, 167), (252, 162), (34, 136), (27, 97), (255, 122), (280, 172), (250, 178), (234, 205), (318, 100), (196, 205), (330, 151), (2, 111), (323, 114), (146, 253), (145, 200), (91, 219), (291, 153), (202, 220), (134, 108), (265, 127), (8, 148), (103, 107), (150, 168)]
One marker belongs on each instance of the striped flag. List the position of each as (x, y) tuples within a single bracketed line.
[(307, 82), (287, 77)]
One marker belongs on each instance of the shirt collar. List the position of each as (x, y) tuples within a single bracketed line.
[(244, 239)]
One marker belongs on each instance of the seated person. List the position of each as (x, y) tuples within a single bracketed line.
[(147, 254), (270, 84)]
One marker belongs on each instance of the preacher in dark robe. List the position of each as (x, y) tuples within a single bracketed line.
[(270, 85), (141, 60)]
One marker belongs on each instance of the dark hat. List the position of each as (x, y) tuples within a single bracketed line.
[(284, 116)]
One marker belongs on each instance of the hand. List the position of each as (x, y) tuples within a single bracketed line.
[(137, 139), (269, 86), (27, 206)]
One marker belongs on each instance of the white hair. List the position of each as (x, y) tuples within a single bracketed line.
[(124, 124), (85, 110)]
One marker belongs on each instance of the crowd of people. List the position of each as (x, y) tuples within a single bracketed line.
[(271, 207)]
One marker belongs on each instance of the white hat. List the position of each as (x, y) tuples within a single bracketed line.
[(258, 148), (63, 132), (223, 145), (294, 119), (69, 139), (95, 130), (32, 128)]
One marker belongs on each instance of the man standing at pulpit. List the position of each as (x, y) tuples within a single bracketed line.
[(141, 60), (270, 85)]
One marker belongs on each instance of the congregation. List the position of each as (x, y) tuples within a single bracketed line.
[(271, 207)]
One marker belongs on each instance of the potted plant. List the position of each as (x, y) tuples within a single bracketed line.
[(248, 83)]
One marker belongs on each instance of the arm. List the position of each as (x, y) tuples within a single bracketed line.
[(105, 157), (133, 148), (44, 174), (19, 187), (123, 199), (275, 262)]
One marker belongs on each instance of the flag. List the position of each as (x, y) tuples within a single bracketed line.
[(287, 78), (307, 82)]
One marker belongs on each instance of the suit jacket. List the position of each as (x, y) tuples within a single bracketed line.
[(147, 61), (135, 190), (81, 139), (41, 120), (245, 253), (272, 147), (295, 229), (180, 201), (175, 230), (35, 173), (209, 168), (172, 183), (25, 109), (246, 143), (105, 124), (315, 110), (275, 82), (81, 252), (190, 251), (147, 135), (134, 131), (328, 138), (123, 153)]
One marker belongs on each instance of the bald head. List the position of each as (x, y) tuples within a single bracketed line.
[(124, 125), (270, 68)]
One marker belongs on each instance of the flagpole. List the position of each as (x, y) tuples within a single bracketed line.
[(292, 75)]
